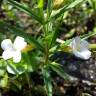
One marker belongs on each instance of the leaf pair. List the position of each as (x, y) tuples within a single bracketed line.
[(40, 5), (47, 77)]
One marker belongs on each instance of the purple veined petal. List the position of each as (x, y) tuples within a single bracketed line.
[(17, 57), (83, 55), (6, 44), (19, 43), (7, 54)]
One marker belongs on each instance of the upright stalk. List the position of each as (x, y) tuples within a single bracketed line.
[(29, 84), (46, 46), (46, 29)]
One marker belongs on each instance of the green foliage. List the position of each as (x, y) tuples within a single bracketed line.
[(41, 4), (47, 80), (59, 70), (49, 22), (66, 8), (26, 10)]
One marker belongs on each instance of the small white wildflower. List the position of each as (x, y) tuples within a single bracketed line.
[(13, 50), (80, 48)]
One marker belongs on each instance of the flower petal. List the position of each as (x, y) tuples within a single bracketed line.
[(7, 54), (16, 56), (6, 44), (19, 43), (83, 55), (84, 45), (75, 43)]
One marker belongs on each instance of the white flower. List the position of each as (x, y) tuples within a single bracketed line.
[(80, 48), (13, 50)]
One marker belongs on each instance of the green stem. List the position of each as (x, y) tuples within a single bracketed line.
[(93, 4), (46, 30), (27, 75), (29, 84), (46, 54), (46, 46), (92, 46)]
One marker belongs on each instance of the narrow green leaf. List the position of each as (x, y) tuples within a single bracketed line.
[(40, 3), (19, 32), (73, 4), (93, 3), (50, 3), (66, 8), (47, 80), (27, 10), (12, 69), (29, 61), (89, 34), (54, 37), (40, 9), (59, 70)]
